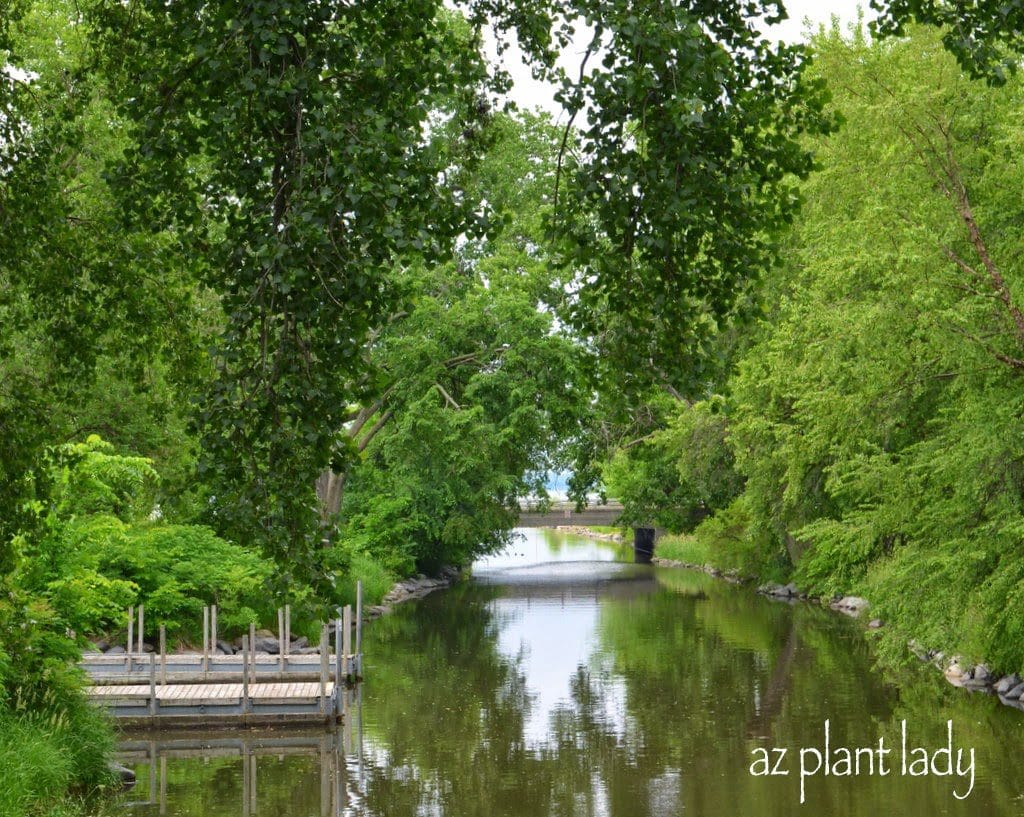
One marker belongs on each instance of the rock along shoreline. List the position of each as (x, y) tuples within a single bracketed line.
[(413, 588)]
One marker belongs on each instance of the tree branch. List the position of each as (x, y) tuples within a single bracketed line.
[(447, 397), (572, 117), (364, 414), (383, 421), (1012, 362)]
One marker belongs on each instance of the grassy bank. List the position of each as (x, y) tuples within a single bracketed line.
[(376, 578), (725, 541), (54, 764), (684, 548)]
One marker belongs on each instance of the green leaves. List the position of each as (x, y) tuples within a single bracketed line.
[(877, 418), (985, 37), (288, 144), (477, 390), (93, 479), (685, 174), (675, 476)]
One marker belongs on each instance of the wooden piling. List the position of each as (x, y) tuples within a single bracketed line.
[(206, 640), (324, 647), (152, 686), (142, 648), (252, 650), (280, 639), (131, 638), (163, 654), (213, 629), (337, 664), (287, 629), (358, 670), (245, 674), (346, 635)]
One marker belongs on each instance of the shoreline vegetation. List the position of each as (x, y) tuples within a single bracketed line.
[(864, 437), (56, 764)]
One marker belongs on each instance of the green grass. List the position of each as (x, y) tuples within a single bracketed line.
[(725, 541), (376, 579), (54, 765), (684, 548)]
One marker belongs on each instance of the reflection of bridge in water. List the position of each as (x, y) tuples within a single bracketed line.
[(566, 581), (565, 513)]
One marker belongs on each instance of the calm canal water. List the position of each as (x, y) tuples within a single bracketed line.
[(563, 681)]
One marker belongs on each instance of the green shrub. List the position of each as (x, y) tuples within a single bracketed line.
[(91, 568), (734, 543), (387, 527), (37, 658), (51, 739), (377, 580), (181, 568), (92, 479), (89, 602), (678, 475)]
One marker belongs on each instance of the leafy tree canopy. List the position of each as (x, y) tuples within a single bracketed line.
[(306, 151), (985, 36)]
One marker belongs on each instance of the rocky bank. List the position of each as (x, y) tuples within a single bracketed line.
[(976, 678)]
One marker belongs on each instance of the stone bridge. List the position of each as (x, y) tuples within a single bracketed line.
[(564, 513)]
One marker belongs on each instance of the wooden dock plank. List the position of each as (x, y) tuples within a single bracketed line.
[(176, 692), (273, 700)]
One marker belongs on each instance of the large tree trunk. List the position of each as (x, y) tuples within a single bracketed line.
[(329, 488)]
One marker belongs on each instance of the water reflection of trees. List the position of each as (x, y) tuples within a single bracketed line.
[(686, 681), (733, 671)]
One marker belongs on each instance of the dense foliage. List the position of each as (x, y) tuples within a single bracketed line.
[(100, 550), (286, 300), (877, 420), (478, 389)]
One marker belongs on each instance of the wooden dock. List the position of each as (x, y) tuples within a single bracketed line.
[(149, 689), (193, 668), (224, 703)]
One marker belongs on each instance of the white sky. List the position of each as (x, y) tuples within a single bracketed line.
[(528, 93)]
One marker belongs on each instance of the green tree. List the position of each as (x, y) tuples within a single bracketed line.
[(689, 171), (478, 388), (677, 475), (89, 312), (294, 148), (985, 36), (877, 419)]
